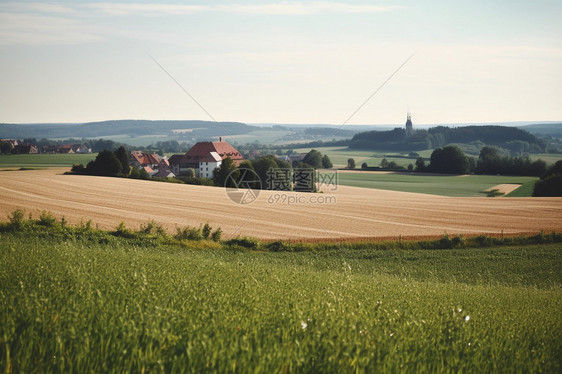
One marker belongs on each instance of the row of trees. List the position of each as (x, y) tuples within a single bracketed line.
[(452, 160), (111, 164), (550, 183), (272, 172)]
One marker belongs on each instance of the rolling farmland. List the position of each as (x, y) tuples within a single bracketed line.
[(349, 212)]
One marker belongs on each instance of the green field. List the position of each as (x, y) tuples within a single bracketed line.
[(340, 155), (44, 160), (445, 185), (85, 301)]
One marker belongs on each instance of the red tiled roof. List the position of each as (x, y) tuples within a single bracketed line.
[(175, 159), (145, 158), (211, 157), (202, 149)]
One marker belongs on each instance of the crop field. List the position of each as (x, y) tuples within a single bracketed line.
[(347, 212), (44, 160), (98, 303), (340, 155), (444, 185)]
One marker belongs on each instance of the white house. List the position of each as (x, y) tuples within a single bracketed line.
[(209, 163)]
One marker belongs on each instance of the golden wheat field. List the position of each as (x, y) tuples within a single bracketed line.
[(349, 212)]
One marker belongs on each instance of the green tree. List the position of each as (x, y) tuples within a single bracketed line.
[(326, 162), (248, 175), (6, 147), (550, 183), (364, 165), (190, 173), (105, 164), (350, 163), (420, 164), (549, 186), (123, 157), (222, 173), (489, 161), (313, 158), (450, 159)]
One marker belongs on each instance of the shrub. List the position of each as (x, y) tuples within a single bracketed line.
[(153, 228), (46, 219), (16, 219), (206, 231), (123, 231), (216, 235), (188, 233), (78, 169), (278, 246), (245, 242), (482, 240), (445, 243)]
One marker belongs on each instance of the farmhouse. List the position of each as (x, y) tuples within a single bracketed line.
[(25, 149), (204, 157), (139, 160), (163, 170)]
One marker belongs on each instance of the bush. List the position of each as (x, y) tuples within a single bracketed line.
[(216, 235), (16, 219), (123, 231), (550, 186), (278, 246), (206, 231), (245, 242), (46, 219), (153, 228), (188, 233)]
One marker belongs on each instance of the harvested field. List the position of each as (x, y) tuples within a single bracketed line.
[(356, 212), (504, 188)]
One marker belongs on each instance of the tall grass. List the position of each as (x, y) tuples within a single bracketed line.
[(84, 300)]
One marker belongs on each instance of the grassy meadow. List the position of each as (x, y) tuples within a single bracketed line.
[(44, 160), (340, 155), (83, 300), (444, 185)]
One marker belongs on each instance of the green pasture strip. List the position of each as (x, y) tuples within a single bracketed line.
[(340, 155), (99, 303), (45, 160), (445, 185), (549, 158)]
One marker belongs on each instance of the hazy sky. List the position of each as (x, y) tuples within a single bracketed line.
[(281, 61)]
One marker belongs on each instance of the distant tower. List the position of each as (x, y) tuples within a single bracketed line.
[(409, 127)]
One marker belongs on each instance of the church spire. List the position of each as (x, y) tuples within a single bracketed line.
[(409, 126)]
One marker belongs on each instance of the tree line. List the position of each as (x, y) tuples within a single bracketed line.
[(515, 140), (273, 173)]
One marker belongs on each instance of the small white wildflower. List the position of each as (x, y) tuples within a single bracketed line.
[(467, 318), (460, 310), (303, 325)]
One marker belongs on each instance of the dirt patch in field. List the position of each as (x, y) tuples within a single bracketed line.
[(504, 188), (349, 212)]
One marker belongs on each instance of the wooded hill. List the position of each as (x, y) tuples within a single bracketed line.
[(195, 128), (511, 138)]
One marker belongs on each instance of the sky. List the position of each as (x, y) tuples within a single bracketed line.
[(307, 62)]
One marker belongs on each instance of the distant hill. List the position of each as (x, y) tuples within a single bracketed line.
[(195, 129), (544, 129), (511, 138)]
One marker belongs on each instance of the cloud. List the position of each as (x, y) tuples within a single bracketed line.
[(280, 8), (32, 29), (12, 7)]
